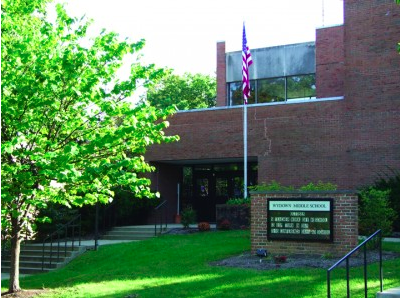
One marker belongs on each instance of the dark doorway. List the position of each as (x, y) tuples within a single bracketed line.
[(215, 184)]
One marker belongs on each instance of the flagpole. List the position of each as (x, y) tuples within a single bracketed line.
[(246, 62), (245, 150)]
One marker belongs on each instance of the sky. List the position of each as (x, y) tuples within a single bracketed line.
[(182, 34)]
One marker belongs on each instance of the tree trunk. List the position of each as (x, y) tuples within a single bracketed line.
[(15, 251)]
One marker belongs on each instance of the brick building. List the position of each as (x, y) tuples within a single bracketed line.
[(344, 129)]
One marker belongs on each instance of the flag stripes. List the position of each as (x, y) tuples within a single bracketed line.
[(246, 62)]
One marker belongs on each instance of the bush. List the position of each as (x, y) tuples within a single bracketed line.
[(375, 212), (224, 225), (276, 186), (188, 216), (203, 226), (391, 181), (237, 201)]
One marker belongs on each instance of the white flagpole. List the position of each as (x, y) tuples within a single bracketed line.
[(245, 150)]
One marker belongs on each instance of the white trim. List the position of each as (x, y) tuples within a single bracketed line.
[(290, 101)]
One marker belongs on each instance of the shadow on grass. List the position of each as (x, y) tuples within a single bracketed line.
[(177, 266)]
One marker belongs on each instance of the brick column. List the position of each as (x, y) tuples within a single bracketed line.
[(221, 75), (345, 225), (329, 60)]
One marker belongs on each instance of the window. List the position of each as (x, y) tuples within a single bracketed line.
[(274, 89), (300, 86), (236, 93), (271, 90)]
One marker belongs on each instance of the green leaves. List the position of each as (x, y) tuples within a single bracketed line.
[(68, 135), (190, 91)]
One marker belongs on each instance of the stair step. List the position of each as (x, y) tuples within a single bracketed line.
[(26, 270), (31, 259), (118, 233), (131, 237), (391, 293), (132, 233), (32, 264), (48, 247)]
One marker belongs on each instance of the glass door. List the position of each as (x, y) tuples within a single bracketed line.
[(204, 196)]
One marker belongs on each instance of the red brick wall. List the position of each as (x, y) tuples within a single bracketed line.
[(372, 86), (329, 60), (221, 75), (345, 225), (348, 142)]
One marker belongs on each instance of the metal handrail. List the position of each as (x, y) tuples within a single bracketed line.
[(159, 207), (346, 258), (70, 224)]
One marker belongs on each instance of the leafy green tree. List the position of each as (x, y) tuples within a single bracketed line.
[(190, 91), (68, 135)]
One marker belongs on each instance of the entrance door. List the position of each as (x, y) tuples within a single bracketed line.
[(215, 184), (204, 196)]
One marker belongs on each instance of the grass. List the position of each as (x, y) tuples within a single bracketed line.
[(177, 266)]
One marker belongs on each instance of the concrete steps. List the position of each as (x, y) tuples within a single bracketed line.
[(391, 293), (131, 233), (32, 261)]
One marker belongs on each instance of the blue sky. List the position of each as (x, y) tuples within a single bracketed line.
[(182, 34)]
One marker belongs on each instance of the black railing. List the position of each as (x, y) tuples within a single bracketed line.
[(346, 258), (161, 216), (59, 236)]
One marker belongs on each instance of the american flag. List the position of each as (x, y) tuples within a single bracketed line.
[(247, 61)]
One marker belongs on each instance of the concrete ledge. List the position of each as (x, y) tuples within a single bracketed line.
[(391, 293)]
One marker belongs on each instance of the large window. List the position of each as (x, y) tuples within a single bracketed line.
[(300, 87), (274, 89), (236, 93), (271, 90)]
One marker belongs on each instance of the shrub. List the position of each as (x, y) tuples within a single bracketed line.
[(276, 186), (320, 186), (203, 226), (188, 216), (238, 201), (224, 225), (391, 181), (375, 212)]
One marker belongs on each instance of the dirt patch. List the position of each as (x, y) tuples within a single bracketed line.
[(23, 294), (249, 261)]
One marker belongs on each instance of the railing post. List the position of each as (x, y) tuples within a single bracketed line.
[(66, 240), (380, 261), (80, 229), (365, 272), (348, 277), (96, 228), (73, 234), (43, 254), (347, 257), (51, 249), (328, 280), (58, 247), (58, 233)]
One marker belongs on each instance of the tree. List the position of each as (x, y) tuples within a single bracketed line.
[(67, 133), (190, 91)]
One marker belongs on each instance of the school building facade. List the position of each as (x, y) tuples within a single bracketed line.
[(327, 110)]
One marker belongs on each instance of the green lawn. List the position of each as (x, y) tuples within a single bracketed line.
[(177, 266)]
